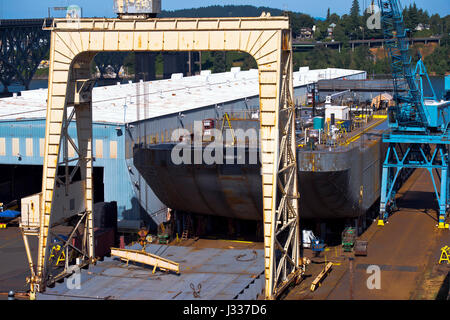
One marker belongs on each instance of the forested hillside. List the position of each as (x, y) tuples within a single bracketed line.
[(352, 26)]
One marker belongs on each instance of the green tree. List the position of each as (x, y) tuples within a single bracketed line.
[(423, 17), (436, 25), (354, 21), (354, 10), (299, 21), (249, 63), (405, 15), (219, 61), (446, 25), (321, 31), (413, 17), (339, 34), (129, 63), (438, 61), (334, 18)]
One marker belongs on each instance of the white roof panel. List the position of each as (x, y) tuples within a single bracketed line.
[(162, 97)]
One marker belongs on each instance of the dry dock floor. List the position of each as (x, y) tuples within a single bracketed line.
[(407, 250), (13, 261), (14, 266)]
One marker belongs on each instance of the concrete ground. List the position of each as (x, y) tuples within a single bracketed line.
[(205, 274), (14, 265), (407, 250)]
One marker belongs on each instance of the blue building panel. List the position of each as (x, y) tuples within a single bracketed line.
[(116, 178)]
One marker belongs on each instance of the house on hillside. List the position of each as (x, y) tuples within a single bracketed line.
[(421, 27), (306, 34), (330, 30)]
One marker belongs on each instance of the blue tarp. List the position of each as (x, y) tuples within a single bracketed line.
[(9, 214)]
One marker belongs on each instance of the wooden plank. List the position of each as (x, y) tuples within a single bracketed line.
[(146, 258), (321, 276)]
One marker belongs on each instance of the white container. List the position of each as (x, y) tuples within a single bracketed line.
[(340, 112), (30, 211)]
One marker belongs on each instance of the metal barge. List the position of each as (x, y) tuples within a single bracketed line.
[(336, 181), (342, 181)]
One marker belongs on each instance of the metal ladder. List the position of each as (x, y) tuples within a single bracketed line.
[(226, 124), (185, 234)]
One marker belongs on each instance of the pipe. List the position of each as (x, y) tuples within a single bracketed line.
[(27, 249)]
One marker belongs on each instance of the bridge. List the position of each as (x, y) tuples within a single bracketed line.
[(298, 45), (23, 45)]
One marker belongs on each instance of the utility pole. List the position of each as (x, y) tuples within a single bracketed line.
[(351, 277)]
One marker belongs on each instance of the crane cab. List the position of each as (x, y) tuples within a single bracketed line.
[(137, 9)]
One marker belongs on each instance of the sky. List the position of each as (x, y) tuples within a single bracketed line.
[(23, 9)]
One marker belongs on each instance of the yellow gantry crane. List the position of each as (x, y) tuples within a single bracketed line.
[(74, 44)]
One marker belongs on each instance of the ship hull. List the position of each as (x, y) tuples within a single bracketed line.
[(333, 184), (227, 190), (340, 184)]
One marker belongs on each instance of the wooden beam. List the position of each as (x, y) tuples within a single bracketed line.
[(146, 258), (317, 281)]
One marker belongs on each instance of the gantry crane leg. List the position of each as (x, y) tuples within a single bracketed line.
[(64, 196), (416, 156)]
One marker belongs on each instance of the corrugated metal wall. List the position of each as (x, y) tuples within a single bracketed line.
[(26, 138), (20, 142)]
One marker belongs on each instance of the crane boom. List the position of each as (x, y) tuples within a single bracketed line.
[(411, 113)]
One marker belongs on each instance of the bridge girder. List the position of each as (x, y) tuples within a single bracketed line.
[(22, 48)]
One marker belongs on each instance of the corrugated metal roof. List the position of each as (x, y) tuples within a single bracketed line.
[(164, 96), (222, 274)]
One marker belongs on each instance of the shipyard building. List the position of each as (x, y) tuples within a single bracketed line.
[(125, 115)]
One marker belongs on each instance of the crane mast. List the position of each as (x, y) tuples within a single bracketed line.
[(418, 135)]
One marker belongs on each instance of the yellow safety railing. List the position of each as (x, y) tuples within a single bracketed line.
[(55, 253), (445, 254)]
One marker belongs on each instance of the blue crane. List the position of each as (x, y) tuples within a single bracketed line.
[(418, 135)]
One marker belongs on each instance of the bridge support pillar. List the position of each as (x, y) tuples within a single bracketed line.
[(145, 66)]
